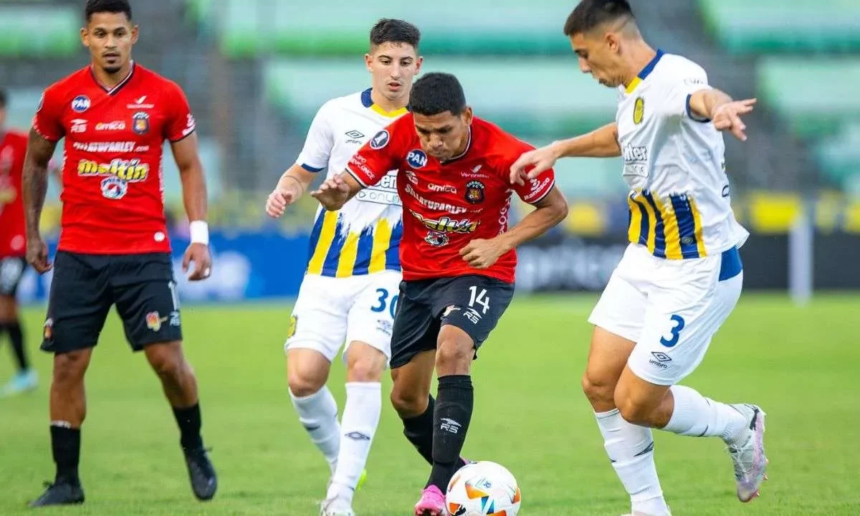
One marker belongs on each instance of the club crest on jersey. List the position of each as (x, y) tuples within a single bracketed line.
[(114, 188), (140, 123), (638, 110), (475, 192), (416, 158), (380, 140), (81, 103), (436, 238)]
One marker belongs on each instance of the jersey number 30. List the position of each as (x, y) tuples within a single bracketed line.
[(382, 302)]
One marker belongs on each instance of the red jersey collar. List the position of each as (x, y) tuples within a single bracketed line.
[(112, 91)]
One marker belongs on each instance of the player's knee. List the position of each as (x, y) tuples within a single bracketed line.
[(408, 402), (365, 364), (454, 354), (598, 390), (69, 368), (303, 385), (8, 309), (634, 412)]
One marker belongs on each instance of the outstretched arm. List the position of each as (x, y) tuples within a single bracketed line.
[(292, 185), (712, 104), (337, 191), (35, 183), (602, 143)]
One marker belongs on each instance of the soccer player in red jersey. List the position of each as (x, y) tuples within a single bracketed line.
[(13, 246), (114, 249), (457, 253)]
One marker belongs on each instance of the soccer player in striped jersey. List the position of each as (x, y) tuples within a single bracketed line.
[(681, 276), (350, 291)]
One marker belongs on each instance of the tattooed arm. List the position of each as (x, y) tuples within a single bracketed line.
[(39, 152)]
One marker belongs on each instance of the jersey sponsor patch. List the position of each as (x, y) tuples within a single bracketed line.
[(380, 140)]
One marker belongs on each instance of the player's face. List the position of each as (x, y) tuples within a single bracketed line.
[(110, 36), (444, 136), (598, 55), (393, 66)]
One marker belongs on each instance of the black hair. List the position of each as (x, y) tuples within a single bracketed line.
[(388, 30), (107, 6), (437, 93), (590, 14), (4, 98)]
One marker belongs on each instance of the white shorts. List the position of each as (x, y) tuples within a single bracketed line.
[(669, 308), (331, 311)]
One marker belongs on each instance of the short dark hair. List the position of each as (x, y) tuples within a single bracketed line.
[(590, 14), (437, 93), (4, 98), (388, 30), (107, 6)]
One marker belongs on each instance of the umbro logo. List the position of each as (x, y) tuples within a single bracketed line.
[(355, 134), (357, 436)]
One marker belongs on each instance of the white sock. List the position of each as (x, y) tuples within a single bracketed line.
[(318, 414), (698, 416), (631, 449), (360, 419)]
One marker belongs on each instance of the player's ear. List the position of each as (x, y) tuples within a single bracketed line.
[(85, 36), (418, 63), (368, 61), (135, 33), (612, 41), (467, 115)]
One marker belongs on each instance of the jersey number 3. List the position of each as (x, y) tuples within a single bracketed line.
[(675, 332)]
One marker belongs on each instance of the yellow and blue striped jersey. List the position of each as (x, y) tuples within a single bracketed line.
[(679, 201), (363, 237)]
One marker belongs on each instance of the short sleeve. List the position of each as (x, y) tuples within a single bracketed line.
[(533, 190), (379, 155), (319, 142), (689, 79), (48, 121), (181, 122)]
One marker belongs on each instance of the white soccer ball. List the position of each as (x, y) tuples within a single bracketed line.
[(483, 488)]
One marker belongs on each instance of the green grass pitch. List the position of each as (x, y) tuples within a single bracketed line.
[(800, 364)]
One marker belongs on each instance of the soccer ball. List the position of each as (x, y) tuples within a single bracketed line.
[(483, 488)]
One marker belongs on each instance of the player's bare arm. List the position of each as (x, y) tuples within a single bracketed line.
[(601, 143), (726, 113), (550, 211), (337, 191), (36, 164), (290, 188), (196, 206)]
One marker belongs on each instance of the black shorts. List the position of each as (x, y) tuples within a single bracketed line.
[(472, 303), (11, 271), (86, 286)]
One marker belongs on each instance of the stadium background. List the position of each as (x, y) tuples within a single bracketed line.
[(255, 71)]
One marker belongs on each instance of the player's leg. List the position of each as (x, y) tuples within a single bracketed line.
[(11, 272), (316, 333), (470, 308), (148, 304), (368, 349), (79, 301), (618, 319), (679, 326)]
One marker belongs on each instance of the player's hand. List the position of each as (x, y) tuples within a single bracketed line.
[(278, 200), (728, 117), (482, 254), (37, 254), (332, 194), (199, 254), (541, 159)]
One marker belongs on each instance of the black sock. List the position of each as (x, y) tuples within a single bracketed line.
[(189, 426), (17, 338), (419, 431), (450, 424), (66, 446)]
